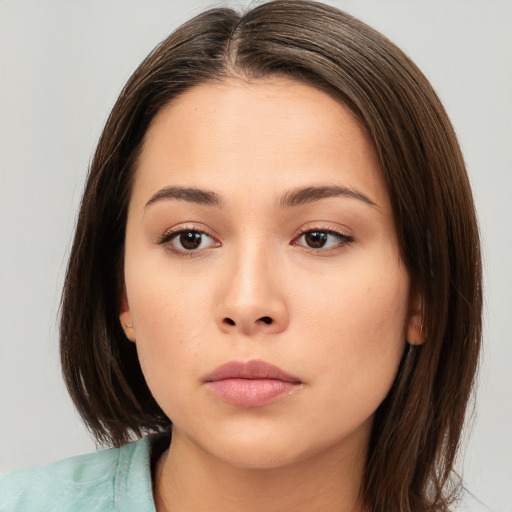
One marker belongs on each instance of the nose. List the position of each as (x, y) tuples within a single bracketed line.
[(252, 296)]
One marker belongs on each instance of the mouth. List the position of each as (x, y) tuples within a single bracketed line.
[(251, 383)]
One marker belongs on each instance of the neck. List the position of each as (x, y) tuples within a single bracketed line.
[(187, 479)]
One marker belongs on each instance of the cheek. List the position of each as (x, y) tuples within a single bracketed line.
[(162, 299), (359, 339), (168, 313), (359, 321)]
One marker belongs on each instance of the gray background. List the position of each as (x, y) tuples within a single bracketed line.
[(62, 64)]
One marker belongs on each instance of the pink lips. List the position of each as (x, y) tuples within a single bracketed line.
[(252, 383)]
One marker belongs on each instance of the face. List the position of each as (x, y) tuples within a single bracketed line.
[(264, 285)]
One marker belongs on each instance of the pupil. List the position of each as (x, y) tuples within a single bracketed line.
[(316, 239), (190, 240)]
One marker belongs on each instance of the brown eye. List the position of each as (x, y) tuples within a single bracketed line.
[(315, 239), (322, 239), (190, 240)]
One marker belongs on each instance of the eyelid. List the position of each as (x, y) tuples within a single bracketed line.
[(340, 232), (328, 227), (337, 231), (171, 233), (185, 226)]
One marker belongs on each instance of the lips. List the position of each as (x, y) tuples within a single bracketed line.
[(252, 383)]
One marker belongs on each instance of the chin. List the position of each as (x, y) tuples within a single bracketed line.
[(252, 447), (268, 448), (260, 457)]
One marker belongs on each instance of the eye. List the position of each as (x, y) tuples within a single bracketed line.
[(322, 239), (188, 240)]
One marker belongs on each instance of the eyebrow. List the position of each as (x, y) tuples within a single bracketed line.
[(306, 195), (296, 197), (191, 195)]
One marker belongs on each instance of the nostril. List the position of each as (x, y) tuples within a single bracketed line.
[(266, 320), (228, 321)]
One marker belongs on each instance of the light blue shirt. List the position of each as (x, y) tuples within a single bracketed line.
[(117, 480)]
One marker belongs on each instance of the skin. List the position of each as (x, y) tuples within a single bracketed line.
[(339, 314)]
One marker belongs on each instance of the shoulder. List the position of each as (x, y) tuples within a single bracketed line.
[(101, 481)]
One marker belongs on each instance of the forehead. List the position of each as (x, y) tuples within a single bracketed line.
[(241, 136)]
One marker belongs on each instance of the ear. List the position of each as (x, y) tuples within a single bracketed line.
[(415, 328), (125, 316)]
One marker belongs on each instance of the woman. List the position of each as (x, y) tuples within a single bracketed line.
[(277, 252)]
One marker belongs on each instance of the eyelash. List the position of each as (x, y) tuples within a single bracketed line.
[(343, 239), (169, 236)]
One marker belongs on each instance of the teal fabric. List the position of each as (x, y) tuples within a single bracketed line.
[(110, 480)]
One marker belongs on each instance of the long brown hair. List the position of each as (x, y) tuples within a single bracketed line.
[(416, 430)]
